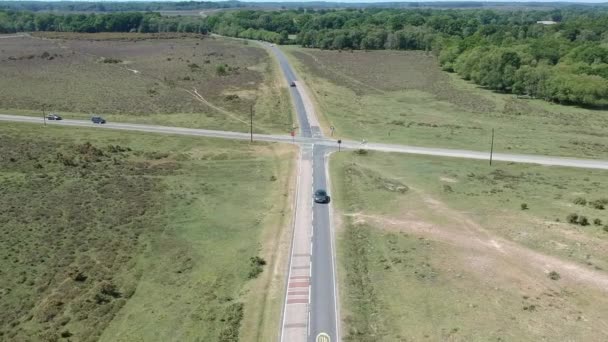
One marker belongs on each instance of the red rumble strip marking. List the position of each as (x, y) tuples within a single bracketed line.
[(299, 284), (299, 277), (297, 301), (300, 267), (298, 293)]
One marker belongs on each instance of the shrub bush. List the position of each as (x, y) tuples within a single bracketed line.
[(221, 70), (580, 201), (599, 204), (597, 222), (524, 206), (111, 60), (554, 275), (257, 264), (572, 218)]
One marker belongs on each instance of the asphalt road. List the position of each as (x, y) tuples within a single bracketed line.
[(290, 76), (323, 307), (324, 313), (331, 144)]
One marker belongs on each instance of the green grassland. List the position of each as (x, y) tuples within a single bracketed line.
[(404, 97), (179, 80), (119, 236), (417, 260)]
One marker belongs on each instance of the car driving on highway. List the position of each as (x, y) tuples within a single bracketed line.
[(321, 196), (98, 120), (53, 117)]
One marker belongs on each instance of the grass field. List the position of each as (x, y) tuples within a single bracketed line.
[(117, 236), (404, 97), (181, 80), (441, 250)]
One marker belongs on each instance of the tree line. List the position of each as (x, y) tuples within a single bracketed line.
[(559, 55), (564, 59), (149, 22), (115, 6)]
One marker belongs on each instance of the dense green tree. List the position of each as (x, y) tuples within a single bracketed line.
[(504, 50)]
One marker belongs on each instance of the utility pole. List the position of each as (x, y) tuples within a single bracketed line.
[(43, 115), (492, 147), (251, 112), (339, 143)]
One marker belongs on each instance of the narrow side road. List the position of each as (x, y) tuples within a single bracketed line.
[(346, 144)]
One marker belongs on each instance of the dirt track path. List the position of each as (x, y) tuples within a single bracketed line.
[(485, 249)]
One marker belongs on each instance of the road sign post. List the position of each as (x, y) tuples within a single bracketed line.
[(492, 147), (251, 125), (339, 142), (293, 135)]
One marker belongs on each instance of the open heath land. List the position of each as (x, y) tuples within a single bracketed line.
[(404, 97), (167, 79), (118, 236), (446, 249)]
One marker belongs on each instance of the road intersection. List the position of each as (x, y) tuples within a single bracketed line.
[(331, 144), (311, 307)]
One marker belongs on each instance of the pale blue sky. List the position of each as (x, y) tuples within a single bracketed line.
[(366, 1)]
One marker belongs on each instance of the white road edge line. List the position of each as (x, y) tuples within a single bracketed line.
[(333, 248), (308, 317)]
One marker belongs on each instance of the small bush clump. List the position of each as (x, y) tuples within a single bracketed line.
[(221, 70), (554, 275), (580, 201), (578, 219), (111, 60), (572, 218), (599, 204), (257, 266), (524, 206), (597, 222)]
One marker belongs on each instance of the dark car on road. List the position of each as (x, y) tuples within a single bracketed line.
[(53, 117), (98, 120), (321, 196), (292, 84)]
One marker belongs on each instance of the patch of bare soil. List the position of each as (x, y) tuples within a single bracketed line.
[(491, 256)]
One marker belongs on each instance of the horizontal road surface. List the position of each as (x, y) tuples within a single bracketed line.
[(347, 144)]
